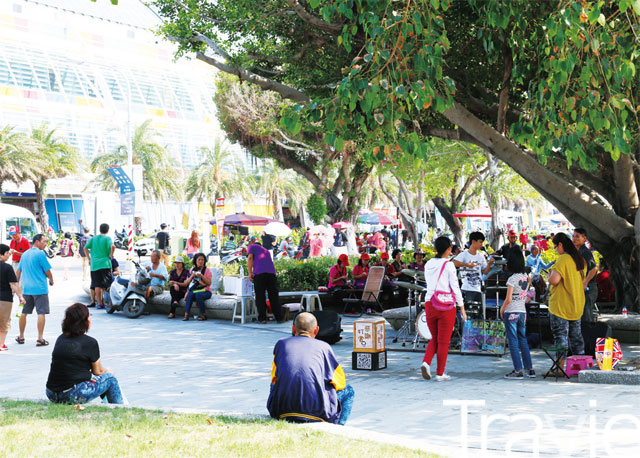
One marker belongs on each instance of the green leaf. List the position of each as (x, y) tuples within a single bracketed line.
[(379, 117), (400, 90), (435, 4)]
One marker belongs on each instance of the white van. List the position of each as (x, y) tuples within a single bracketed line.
[(12, 215)]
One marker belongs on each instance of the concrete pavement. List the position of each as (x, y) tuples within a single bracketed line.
[(219, 366)]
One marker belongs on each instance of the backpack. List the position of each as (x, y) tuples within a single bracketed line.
[(81, 244), (65, 247)]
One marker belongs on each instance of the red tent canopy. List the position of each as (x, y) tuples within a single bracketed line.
[(477, 213)]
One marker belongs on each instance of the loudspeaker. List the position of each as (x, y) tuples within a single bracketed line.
[(590, 333), (330, 324)]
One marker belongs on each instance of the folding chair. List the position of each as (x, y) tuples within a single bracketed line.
[(370, 293), (556, 368)]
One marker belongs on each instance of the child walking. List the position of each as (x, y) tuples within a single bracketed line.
[(514, 315)]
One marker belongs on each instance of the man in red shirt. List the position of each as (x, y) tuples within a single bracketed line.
[(18, 245)]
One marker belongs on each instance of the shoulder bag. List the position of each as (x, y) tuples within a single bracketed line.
[(443, 300)]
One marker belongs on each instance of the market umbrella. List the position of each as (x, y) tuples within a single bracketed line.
[(341, 225), (278, 229), (241, 219), (376, 218), (477, 213)]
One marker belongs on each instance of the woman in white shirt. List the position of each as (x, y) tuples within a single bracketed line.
[(440, 275)]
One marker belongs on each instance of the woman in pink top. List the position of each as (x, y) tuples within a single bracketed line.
[(316, 246), (199, 286), (192, 246)]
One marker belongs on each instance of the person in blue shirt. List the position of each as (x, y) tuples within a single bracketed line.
[(158, 273), (34, 269), (307, 383), (536, 263)]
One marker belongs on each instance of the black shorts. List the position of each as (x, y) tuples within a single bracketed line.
[(101, 278)]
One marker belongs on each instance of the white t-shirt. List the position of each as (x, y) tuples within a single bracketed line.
[(519, 283), (472, 276)]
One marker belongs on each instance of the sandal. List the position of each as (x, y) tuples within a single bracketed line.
[(20, 340), (202, 318), (41, 343), (186, 318), (171, 315)]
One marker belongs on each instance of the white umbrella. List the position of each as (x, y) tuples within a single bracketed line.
[(278, 229)]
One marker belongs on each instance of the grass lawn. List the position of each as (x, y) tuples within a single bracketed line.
[(33, 429)]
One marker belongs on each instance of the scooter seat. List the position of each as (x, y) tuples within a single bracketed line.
[(122, 281)]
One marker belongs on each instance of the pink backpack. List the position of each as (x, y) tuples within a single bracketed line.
[(442, 300)]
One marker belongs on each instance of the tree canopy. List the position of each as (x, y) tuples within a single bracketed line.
[(550, 88)]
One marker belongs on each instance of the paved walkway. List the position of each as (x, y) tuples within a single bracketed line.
[(219, 366)]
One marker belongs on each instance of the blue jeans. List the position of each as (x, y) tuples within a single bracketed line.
[(100, 385), (199, 297), (516, 326), (345, 397)]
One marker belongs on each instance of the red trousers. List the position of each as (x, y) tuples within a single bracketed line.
[(441, 327)]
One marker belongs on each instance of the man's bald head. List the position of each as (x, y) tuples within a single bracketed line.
[(306, 323)]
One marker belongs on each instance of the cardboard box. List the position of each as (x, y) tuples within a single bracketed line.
[(368, 335), (240, 286)]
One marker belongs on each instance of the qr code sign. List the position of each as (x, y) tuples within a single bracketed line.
[(364, 361), (382, 359)]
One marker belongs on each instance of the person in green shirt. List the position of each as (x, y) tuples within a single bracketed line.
[(566, 296), (99, 250)]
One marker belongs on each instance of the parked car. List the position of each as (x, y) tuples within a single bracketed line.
[(145, 246)]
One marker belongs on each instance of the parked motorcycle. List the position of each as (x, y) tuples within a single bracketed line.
[(128, 296), (50, 249), (239, 254), (120, 240), (213, 248), (229, 247)]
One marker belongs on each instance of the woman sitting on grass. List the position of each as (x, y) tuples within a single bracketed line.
[(76, 375)]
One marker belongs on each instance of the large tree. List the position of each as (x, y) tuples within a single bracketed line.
[(218, 175), (280, 184), (56, 159), (550, 88), (161, 176), (18, 157)]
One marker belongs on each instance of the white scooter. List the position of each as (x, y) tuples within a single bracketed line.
[(128, 296)]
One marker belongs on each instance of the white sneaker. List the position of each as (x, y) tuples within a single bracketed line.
[(426, 371), (442, 378)]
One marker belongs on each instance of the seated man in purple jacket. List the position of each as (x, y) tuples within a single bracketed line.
[(307, 383)]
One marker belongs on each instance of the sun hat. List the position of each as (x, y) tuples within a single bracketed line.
[(344, 259), (178, 259), (384, 255), (365, 256), (512, 233), (417, 252)]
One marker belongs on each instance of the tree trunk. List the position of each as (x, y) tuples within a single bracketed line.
[(42, 212), (453, 222), (277, 208), (607, 230)]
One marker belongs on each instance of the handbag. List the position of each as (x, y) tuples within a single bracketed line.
[(443, 300)]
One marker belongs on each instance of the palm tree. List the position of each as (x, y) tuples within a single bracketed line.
[(57, 160), (160, 175), (18, 157), (217, 176), (280, 184)]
